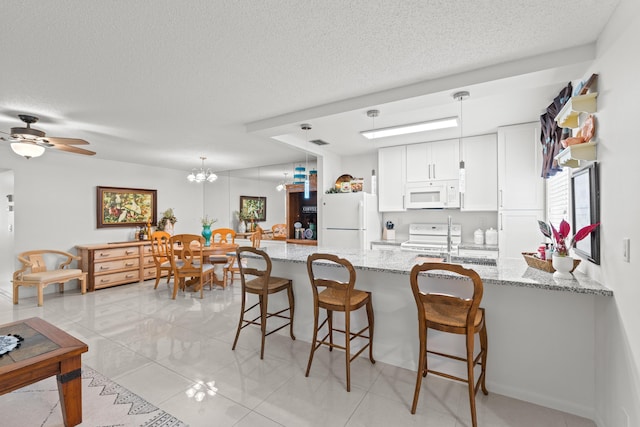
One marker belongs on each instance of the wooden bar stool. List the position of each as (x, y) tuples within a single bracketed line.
[(338, 296), (262, 285), (451, 313)]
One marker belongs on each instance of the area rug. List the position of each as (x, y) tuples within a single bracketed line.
[(104, 404)]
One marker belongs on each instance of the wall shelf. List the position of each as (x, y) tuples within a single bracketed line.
[(569, 114), (572, 155)]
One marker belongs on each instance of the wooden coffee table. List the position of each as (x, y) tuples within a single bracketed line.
[(45, 351)]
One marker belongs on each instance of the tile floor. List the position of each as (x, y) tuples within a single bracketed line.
[(163, 350)]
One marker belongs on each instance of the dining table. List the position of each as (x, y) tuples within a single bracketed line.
[(220, 249)]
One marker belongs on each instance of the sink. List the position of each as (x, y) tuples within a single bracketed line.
[(474, 260)]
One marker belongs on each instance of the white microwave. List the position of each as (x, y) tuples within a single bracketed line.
[(432, 194)]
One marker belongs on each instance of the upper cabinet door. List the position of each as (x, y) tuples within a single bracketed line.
[(418, 163), (391, 178), (432, 161), (445, 159), (480, 155), (520, 185)]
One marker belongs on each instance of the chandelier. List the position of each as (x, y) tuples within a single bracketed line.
[(283, 184), (202, 174)]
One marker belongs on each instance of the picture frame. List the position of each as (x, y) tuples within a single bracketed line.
[(125, 207), (585, 205), (255, 207)]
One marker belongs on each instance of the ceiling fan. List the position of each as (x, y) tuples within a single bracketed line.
[(30, 142)]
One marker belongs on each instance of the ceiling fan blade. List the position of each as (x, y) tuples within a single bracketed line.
[(71, 149), (65, 141)]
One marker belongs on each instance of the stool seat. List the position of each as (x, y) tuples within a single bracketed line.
[(262, 285), (342, 297), (450, 311)]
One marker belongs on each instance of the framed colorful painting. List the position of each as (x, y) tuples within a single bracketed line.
[(126, 207), (253, 208)]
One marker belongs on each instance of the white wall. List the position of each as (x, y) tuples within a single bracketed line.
[(6, 223), (223, 200), (618, 318), (55, 201)]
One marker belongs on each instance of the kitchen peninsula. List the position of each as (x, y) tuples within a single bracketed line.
[(541, 331)]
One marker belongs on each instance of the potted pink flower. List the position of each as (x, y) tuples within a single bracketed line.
[(562, 262)]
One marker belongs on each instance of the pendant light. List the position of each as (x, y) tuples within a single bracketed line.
[(306, 128), (460, 96)]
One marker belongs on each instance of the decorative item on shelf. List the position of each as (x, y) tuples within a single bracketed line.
[(206, 229), (167, 221), (343, 183), (585, 134), (356, 184)]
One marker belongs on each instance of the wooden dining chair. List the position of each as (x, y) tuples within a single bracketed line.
[(279, 231), (187, 262), (256, 239), (160, 251), (262, 284), (334, 295), (450, 311)]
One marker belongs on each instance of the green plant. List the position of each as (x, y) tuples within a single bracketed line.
[(206, 221), (167, 216)]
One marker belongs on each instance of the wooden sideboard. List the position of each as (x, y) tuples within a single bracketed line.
[(111, 264)]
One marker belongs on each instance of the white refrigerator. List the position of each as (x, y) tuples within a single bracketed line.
[(350, 220)]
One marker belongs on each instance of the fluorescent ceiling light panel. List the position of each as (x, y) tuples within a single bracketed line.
[(449, 122)]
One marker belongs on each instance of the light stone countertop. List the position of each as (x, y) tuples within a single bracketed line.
[(508, 272)]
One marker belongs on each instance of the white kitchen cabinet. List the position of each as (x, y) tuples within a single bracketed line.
[(520, 185), (432, 161), (391, 178), (480, 156), (521, 198), (518, 232)]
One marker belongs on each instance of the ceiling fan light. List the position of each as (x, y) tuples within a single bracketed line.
[(200, 176), (191, 177), (27, 150), (211, 176), (280, 187)]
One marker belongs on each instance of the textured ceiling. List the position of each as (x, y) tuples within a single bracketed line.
[(164, 82)]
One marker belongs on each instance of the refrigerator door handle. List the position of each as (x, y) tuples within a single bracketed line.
[(361, 214)]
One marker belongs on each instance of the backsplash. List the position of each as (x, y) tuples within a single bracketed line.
[(470, 221)]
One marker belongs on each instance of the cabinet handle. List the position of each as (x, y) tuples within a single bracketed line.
[(102, 254), (129, 264), (103, 267), (129, 276), (462, 198), (429, 167), (105, 280), (434, 171), (130, 252), (500, 222), (500, 198)]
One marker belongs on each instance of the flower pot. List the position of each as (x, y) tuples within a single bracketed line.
[(563, 266)]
